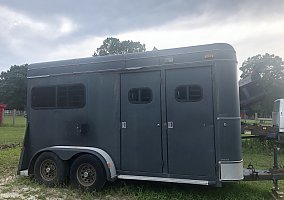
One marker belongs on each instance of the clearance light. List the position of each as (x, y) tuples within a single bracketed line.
[(209, 56), (168, 60)]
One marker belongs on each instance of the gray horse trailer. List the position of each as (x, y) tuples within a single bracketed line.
[(169, 115)]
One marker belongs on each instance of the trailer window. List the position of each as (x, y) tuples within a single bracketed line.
[(188, 93), (140, 95), (61, 96), (71, 96), (145, 95), (43, 97), (133, 95)]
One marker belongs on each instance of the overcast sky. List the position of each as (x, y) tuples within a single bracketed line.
[(43, 30)]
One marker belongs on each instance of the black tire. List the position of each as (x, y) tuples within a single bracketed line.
[(50, 170), (87, 173)]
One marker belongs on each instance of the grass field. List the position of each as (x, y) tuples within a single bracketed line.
[(13, 187), (20, 121), (10, 134)]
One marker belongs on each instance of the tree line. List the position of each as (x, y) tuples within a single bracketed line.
[(13, 87), (268, 68)]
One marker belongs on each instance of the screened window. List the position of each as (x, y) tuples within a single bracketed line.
[(61, 96), (70, 96), (133, 95), (188, 93), (44, 97), (140, 95)]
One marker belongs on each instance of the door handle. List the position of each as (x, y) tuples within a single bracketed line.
[(170, 124), (158, 125)]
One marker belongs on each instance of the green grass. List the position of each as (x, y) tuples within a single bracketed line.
[(253, 151), (134, 189), (20, 121), (10, 134), (9, 159)]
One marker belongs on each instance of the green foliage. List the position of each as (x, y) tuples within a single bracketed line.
[(269, 67), (269, 70), (112, 46), (256, 145), (13, 87)]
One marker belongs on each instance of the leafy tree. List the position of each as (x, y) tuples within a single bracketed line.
[(13, 87), (268, 69), (114, 46)]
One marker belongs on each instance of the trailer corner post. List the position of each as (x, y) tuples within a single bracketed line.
[(276, 192), (14, 117)]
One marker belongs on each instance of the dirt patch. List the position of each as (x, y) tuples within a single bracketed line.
[(8, 191), (7, 146), (22, 188), (11, 195), (3, 186), (12, 188), (6, 180)]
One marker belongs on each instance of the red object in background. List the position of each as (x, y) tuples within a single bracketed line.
[(2, 108)]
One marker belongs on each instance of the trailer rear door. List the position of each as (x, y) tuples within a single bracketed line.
[(190, 122), (141, 122)]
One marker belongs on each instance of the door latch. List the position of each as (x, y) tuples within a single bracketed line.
[(170, 124), (123, 124)]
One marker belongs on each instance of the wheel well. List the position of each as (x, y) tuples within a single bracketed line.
[(71, 160), (32, 163)]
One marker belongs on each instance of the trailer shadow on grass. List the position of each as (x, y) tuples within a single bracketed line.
[(157, 190), (127, 189)]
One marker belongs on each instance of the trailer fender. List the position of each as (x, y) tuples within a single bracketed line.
[(68, 152)]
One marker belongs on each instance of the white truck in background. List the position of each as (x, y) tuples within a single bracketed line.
[(278, 115)]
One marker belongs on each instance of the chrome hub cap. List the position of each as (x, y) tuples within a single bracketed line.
[(86, 174), (48, 170)]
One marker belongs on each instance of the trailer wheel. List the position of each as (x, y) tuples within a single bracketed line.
[(50, 169), (88, 173)]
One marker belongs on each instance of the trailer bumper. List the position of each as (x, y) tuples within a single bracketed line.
[(231, 170)]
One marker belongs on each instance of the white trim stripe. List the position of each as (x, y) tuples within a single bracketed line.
[(228, 118), (161, 179)]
